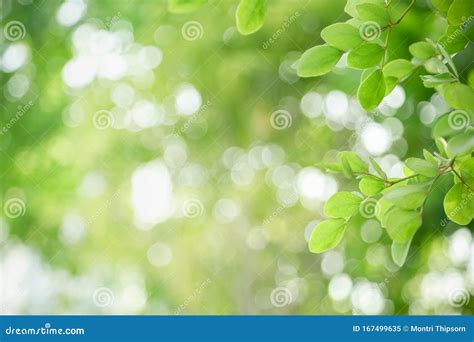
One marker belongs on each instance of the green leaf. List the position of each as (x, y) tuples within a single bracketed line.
[(459, 96), (390, 84), (422, 50), (431, 81), (373, 12), (183, 6), (406, 197), (318, 61), (350, 7), (400, 252), (422, 167), (402, 224), (370, 186), (461, 144), (441, 144), (454, 39), (250, 15), (353, 162), (429, 156), (459, 204), (377, 168), (384, 207), (442, 5), (450, 62), (365, 56), (459, 11), (342, 36), (467, 171), (327, 235), (372, 90), (342, 205), (398, 68)]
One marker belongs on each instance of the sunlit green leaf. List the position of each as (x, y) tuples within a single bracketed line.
[(402, 224), (400, 252), (327, 235), (398, 68), (406, 197), (318, 61), (373, 12), (342, 36), (370, 186), (372, 90), (250, 15), (342, 205), (459, 204), (422, 50), (365, 56), (422, 167)]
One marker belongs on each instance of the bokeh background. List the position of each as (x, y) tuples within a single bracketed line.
[(161, 163)]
